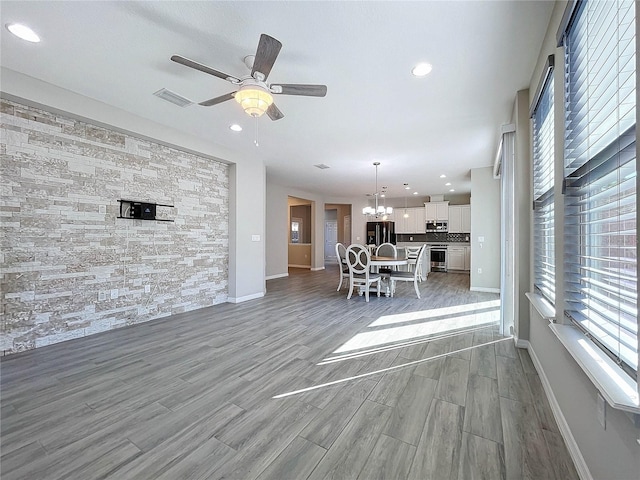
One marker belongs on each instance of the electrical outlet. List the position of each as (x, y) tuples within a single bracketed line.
[(481, 239), (147, 288), (255, 238), (114, 293), (102, 296), (102, 209), (411, 239), (479, 270)]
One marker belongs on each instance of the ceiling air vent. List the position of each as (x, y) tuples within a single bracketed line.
[(322, 166), (173, 97)]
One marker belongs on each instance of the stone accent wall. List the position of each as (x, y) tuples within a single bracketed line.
[(64, 250)]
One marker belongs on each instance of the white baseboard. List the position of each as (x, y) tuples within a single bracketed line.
[(299, 266), (563, 426), (278, 275), (315, 269), (522, 343), (245, 298), (485, 289)]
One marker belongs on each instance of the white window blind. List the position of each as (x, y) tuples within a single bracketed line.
[(543, 161), (600, 177)]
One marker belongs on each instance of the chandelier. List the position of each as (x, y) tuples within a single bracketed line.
[(378, 210)]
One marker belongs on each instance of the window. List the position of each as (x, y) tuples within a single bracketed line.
[(543, 161), (296, 230), (600, 177)]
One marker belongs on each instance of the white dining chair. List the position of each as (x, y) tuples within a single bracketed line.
[(341, 255), (412, 256), (408, 276), (359, 262), (386, 250)]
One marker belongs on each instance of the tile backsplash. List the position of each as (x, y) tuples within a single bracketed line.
[(433, 237)]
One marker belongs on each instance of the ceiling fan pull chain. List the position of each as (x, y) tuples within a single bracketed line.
[(256, 139)]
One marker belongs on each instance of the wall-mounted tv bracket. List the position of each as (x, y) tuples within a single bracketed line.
[(141, 210)]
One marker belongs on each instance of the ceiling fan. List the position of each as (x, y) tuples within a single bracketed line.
[(254, 94)]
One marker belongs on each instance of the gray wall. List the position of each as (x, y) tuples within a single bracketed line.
[(277, 218), (611, 453), (485, 222)]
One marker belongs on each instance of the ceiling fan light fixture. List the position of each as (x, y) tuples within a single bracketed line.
[(254, 100)]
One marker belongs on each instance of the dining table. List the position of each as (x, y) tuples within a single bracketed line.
[(380, 261)]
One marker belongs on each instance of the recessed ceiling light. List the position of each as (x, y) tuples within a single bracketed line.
[(443, 176), (407, 187), (451, 190), (421, 69), (23, 32), (382, 195), (415, 193), (235, 127), (448, 184)]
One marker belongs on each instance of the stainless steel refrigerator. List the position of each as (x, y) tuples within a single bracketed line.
[(380, 232)]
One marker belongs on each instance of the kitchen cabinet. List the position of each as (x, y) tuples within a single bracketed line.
[(467, 258), (413, 223), (436, 211), (460, 219), (455, 260)]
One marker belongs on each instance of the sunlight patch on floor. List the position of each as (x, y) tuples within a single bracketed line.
[(434, 312), (409, 343), (416, 330)]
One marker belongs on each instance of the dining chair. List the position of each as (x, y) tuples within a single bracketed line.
[(359, 262), (412, 256), (408, 276), (341, 255), (386, 250)]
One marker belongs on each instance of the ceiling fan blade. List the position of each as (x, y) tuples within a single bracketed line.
[(300, 89), (217, 100), (274, 112), (203, 68), (266, 54)]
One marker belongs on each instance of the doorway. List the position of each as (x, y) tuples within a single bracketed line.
[(330, 240)]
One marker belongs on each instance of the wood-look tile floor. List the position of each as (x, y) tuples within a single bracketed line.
[(301, 384)]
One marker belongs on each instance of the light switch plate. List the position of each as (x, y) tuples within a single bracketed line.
[(255, 238), (114, 293)]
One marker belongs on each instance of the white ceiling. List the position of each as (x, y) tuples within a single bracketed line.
[(482, 52)]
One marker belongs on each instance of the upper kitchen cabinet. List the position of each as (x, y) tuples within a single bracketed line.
[(436, 211), (414, 222), (460, 219)]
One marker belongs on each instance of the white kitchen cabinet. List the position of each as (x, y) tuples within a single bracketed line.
[(460, 219), (467, 258), (455, 258), (413, 223), (436, 211)]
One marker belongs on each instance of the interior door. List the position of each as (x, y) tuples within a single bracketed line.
[(330, 240)]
